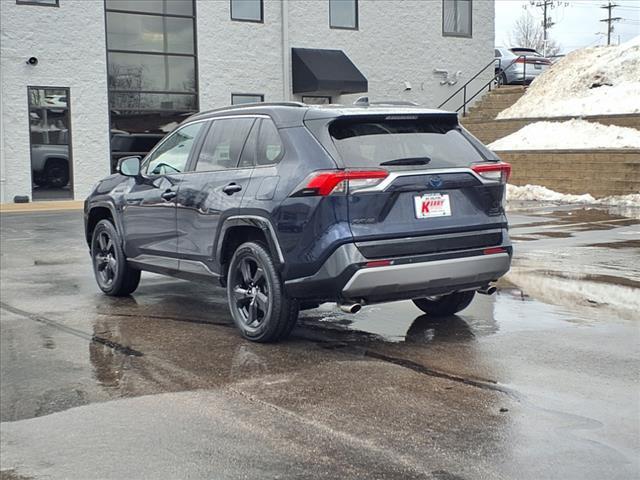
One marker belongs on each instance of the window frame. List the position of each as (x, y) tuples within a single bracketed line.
[(246, 19), (39, 4), (261, 95), (357, 19), (455, 34)]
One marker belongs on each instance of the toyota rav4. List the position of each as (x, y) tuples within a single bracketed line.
[(291, 205)]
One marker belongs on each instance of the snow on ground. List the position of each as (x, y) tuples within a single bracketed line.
[(590, 81), (570, 134), (539, 193)]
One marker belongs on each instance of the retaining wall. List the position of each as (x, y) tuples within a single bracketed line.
[(598, 172)]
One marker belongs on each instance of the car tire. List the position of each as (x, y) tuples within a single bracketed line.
[(446, 304), (114, 275), (502, 79), (56, 173), (260, 307)]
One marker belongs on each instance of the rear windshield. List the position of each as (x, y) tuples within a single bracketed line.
[(411, 142)]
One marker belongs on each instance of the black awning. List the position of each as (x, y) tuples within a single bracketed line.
[(325, 71)]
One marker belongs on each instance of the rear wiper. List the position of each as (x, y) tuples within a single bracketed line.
[(408, 161)]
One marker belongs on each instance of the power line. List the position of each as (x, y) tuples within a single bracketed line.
[(610, 20)]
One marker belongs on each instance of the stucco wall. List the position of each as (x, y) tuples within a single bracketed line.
[(396, 42), (69, 43), (399, 42)]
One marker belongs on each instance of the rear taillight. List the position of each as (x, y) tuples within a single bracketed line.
[(332, 182), (498, 171), (520, 60)]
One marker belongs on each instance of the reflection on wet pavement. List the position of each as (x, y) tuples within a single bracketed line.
[(545, 369)]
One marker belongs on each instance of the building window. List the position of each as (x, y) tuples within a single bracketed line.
[(50, 136), (343, 14), (240, 98), (247, 10), (456, 18), (152, 67), (46, 3), (316, 100)]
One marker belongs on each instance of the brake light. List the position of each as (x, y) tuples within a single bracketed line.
[(520, 60), (498, 171), (493, 251), (330, 182)]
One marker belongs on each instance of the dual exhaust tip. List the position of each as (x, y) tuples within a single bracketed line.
[(348, 307)]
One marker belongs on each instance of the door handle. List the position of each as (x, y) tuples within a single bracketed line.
[(169, 195), (232, 188)]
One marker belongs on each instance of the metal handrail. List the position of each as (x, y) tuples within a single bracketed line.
[(463, 88)]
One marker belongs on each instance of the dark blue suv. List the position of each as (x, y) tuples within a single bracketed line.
[(291, 205)]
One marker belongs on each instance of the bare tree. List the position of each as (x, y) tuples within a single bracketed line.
[(528, 33)]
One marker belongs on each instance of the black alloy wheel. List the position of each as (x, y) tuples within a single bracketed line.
[(104, 257), (259, 305), (251, 293), (113, 273)]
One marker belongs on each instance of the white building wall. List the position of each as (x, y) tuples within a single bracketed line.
[(398, 42), (69, 42), (238, 57)]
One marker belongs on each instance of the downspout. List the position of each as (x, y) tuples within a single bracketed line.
[(286, 52)]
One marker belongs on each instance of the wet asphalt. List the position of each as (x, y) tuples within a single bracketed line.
[(541, 381)]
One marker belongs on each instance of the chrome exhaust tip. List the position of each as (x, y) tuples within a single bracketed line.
[(350, 307), (488, 290)]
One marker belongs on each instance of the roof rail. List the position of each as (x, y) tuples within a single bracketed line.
[(253, 105), (364, 102)]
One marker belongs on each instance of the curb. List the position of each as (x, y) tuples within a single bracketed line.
[(41, 206)]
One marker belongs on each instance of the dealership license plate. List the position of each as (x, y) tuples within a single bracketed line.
[(538, 67), (432, 205)]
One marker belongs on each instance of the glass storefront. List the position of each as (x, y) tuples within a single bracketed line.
[(50, 138), (152, 68)]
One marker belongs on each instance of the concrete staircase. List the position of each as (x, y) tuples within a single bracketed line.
[(493, 103)]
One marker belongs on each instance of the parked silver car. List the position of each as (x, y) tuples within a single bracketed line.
[(519, 65)]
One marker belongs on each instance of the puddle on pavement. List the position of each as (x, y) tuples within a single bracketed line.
[(617, 245), (585, 218), (553, 234)]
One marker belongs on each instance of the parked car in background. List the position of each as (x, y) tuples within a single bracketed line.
[(291, 205), (125, 144), (50, 158), (519, 65)]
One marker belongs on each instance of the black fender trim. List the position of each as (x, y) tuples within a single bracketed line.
[(251, 221), (114, 214)]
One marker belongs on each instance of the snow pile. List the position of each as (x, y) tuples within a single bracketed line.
[(539, 193), (576, 134), (590, 81)]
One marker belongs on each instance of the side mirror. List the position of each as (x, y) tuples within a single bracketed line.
[(129, 166)]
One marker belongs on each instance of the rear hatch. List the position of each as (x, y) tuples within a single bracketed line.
[(416, 184)]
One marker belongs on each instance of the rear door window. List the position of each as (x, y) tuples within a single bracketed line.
[(223, 145), (406, 142)]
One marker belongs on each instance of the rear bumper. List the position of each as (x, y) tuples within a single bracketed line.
[(394, 280), (345, 276)]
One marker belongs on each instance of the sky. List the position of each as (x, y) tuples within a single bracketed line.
[(576, 21)]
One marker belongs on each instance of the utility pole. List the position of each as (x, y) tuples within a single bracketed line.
[(610, 20), (546, 20)]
